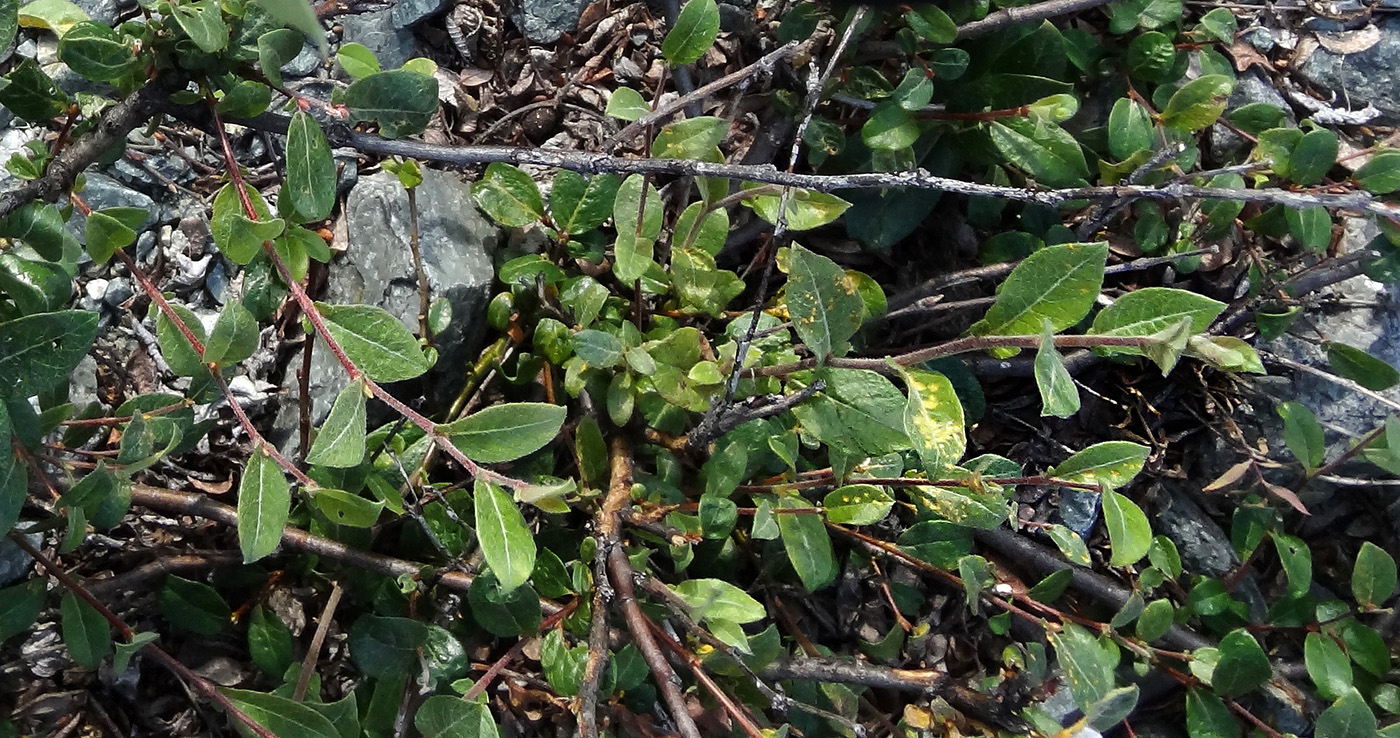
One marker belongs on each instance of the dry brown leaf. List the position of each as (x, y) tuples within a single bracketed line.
[(1350, 42), (1231, 476), (1287, 495), (1245, 56)]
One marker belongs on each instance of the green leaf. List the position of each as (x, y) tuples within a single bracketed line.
[(1059, 396), (1219, 24), (502, 612), (280, 715), (1128, 530), (1198, 103), (31, 94), (126, 649), (1057, 283), (1328, 665), (890, 128), (110, 229), (342, 508), (627, 104), (857, 504), (1129, 128), (39, 352), (1312, 226), (599, 349), (1296, 559), (1048, 162), (20, 606), (299, 15), (192, 606), (234, 338), (41, 227), (443, 716), (1155, 620), (859, 411), (269, 642), (1348, 717), (807, 543), (237, 236), (1208, 717), (87, 634), (203, 20), (1380, 174), (692, 138), (505, 539), (1373, 577), (806, 209), (1243, 665), (400, 101), (937, 542), (1111, 463), (1302, 433), (264, 500), (1366, 647), (1113, 709), (694, 33), (825, 307), (715, 599), (387, 646), (506, 432), (1149, 311), (637, 213), (275, 49), (932, 24), (703, 287), (309, 190), (340, 441), (97, 52), (9, 22), (578, 204), (357, 60), (509, 196), (175, 346), (1361, 367), (55, 15), (377, 342), (1314, 155), (1088, 667)]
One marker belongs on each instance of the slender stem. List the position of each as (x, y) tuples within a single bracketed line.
[(323, 626), (963, 345)]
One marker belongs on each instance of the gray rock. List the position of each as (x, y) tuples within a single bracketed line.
[(169, 168), (1251, 87), (1204, 548), (103, 191), (544, 21), (82, 386), (1376, 330), (1365, 77), (391, 46), (14, 562), (118, 291), (104, 11), (409, 13), (455, 242), (305, 63)]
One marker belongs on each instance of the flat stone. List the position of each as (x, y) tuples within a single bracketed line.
[(391, 46), (14, 562), (455, 242), (305, 63), (409, 13), (1364, 77), (544, 21)]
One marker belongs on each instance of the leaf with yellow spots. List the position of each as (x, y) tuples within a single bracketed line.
[(984, 510), (858, 504), (1056, 283), (1111, 463), (933, 418), (825, 304), (1087, 665)]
